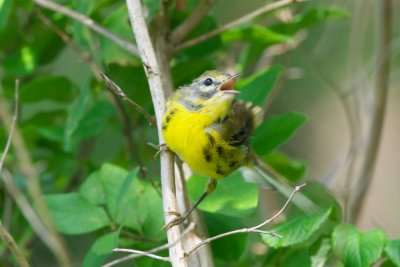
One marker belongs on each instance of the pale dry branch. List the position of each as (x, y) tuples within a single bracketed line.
[(254, 229), (118, 91), (378, 111), (138, 253), (264, 9), (42, 226), (4, 234), (154, 76), (128, 46), (192, 21)]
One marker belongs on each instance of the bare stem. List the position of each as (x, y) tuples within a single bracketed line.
[(4, 234), (118, 91), (128, 46), (192, 21), (43, 227), (378, 113), (254, 229), (154, 76), (138, 253), (266, 8)]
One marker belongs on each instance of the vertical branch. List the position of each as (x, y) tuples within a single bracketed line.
[(154, 77), (378, 114)]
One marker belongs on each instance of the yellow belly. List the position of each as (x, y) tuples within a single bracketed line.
[(187, 134)]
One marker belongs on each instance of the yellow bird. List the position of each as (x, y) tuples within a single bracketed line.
[(209, 129)]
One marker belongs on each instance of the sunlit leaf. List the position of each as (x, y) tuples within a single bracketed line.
[(296, 230), (392, 249), (355, 248), (232, 197), (72, 214), (101, 249), (257, 87)]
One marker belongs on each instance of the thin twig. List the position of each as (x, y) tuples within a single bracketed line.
[(254, 229), (5, 235), (118, 91), (10, 243), (85, 56), (138, 253), (379, 108), (154, 77), (142, 253), (266, 8), (43, 226), (128, 46), (192, 21)]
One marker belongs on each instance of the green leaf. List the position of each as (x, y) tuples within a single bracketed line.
[(94, 120), (72, 214), (320, 195), (310, 18), (291, 169), (59, 89), (296, 230), (22, 62), (75, 115), (92, 189), (297, 258), (275, 131), (229, 248), (232, 197), (132, 202), (254, 34), (392, 249), (5, 11), (357, 249), (116, 22), (101, 249), (257, 87), (320, 258)]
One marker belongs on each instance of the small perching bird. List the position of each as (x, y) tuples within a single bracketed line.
[(209, 129)]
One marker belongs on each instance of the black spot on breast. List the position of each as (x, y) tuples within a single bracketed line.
[(164, 127), (220, 150), (218, 170), (167, 119), (233, 163), (207, 154), (210, 138)]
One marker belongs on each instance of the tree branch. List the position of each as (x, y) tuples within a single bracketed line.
[(378, 110), (154, 77), (4, 234), (266, 8), (192, 21), (254, 229), (128, 46)]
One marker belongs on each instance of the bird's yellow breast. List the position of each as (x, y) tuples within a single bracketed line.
[(187, 133)]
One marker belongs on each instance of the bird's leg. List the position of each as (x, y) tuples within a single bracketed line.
[(161, 148), (212, 184)]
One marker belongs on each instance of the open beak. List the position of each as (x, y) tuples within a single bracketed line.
[(227, 87)]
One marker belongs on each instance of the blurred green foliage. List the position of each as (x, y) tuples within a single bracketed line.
[(98, 174)]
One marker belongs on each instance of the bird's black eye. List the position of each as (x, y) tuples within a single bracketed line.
[(208, 82)]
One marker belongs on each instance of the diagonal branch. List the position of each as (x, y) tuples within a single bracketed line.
[(192, 21), (154, 76), (264, 9), (128, 46)]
